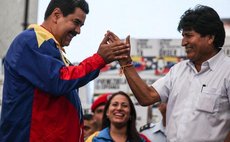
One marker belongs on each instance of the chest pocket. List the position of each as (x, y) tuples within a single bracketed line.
[(208, 100)]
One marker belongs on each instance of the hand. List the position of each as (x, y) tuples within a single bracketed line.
[(112, 50), (114, 38), (128, 60)]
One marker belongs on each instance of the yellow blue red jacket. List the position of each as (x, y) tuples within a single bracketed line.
[(40, 93)]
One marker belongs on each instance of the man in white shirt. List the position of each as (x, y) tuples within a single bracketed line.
[(197, 90)]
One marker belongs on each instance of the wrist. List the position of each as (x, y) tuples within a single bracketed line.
[(125, 62), (123, 67)]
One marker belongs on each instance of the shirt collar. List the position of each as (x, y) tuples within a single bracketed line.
[(105, 134), (215, 60), (159, 127), (212, 62)]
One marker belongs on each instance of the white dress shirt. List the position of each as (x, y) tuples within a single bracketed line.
[(198, 108)]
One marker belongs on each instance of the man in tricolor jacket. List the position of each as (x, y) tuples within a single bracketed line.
[(40, 93)]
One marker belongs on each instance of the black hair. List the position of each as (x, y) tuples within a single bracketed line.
[(205, 21), (66, 6), (132, 132), (87, 117)]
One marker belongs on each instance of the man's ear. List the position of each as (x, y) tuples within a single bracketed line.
[(56, 14), (211, 39)]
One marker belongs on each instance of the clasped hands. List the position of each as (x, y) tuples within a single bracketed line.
[(112, 48)]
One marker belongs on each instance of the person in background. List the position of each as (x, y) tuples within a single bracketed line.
[(90, 125), (119, 121), (156, 131), (197, 90), (97, 108), (40, 90)]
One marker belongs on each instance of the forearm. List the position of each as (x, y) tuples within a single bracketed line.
[(145, 94)]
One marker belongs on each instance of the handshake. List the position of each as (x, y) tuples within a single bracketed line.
[(112, 48)]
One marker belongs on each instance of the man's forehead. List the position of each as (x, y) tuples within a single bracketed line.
[(102, 106), (79, 13)]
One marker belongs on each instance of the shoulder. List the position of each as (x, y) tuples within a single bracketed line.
[(90, 138), (23, 38), (147, 126), (181, 64), (144, 138), (27, 35), (100, 136)]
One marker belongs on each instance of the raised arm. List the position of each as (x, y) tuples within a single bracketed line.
[(146, 95)]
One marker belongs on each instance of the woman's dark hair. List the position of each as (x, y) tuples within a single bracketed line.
[(205, 21), (132, 132), (66, 6)]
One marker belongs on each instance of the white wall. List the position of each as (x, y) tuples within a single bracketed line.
[(12, 18)]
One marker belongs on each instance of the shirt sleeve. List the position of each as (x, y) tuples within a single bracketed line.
[(163, 86)]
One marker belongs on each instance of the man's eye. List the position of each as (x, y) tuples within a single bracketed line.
[(86, 127), (99, 111), (77, 22)]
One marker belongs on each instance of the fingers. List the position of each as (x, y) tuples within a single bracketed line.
[(127, 40), (120, 57), (121, 50), (112, 48), (118, 44), (112, 36), (105, 39), (112, 52)]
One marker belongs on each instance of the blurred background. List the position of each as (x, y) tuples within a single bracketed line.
[(151, 24)]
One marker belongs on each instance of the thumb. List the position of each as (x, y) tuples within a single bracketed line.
[(127, 40)]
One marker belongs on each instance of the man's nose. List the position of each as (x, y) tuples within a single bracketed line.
[(78, 29), (184, 42)]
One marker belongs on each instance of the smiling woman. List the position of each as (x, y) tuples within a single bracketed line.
[(119, 121)]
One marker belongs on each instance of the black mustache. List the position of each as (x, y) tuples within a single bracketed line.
[(188, 47), (73, 33)]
